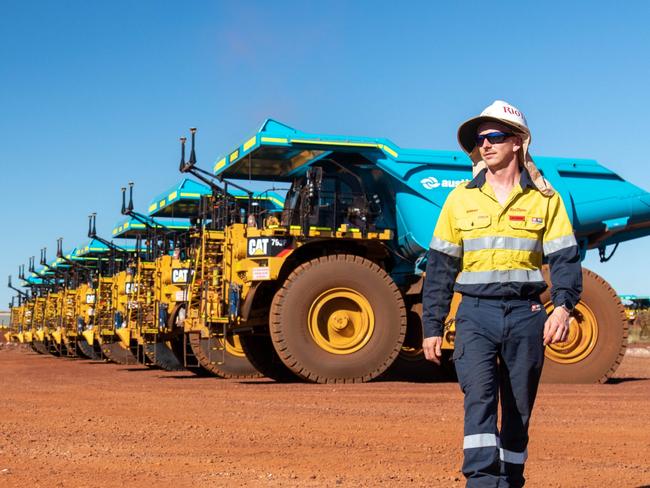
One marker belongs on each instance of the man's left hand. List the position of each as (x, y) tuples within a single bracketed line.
[(556, 327)]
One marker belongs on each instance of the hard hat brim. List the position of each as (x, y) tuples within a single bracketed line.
[(467, 130)]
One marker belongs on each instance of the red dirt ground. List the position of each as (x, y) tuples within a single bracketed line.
[(82, 423)]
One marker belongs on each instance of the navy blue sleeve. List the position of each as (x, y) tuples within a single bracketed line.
[(566, 276), (437, 291)]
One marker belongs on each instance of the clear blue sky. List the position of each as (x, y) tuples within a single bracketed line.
[(94, 94)]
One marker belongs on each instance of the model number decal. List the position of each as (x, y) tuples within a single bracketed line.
[(265, 246)]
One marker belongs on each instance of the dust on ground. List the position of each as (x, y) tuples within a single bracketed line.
[(75, 423)]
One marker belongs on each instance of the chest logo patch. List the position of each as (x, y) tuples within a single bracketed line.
[(537, 220), (517, 218)]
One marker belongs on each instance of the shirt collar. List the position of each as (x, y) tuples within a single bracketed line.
[(478, 181), (524, 179)]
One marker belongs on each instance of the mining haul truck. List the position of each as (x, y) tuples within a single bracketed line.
[(330, 289)]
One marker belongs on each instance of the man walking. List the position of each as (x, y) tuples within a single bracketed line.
[(489, 243)]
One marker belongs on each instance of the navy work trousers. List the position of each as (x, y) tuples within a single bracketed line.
[(499, 352)]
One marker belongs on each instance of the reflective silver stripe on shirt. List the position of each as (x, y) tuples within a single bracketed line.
[(446, 247), (479, 440), (513, 457), (502, 242), (499, 276), (558, 244)]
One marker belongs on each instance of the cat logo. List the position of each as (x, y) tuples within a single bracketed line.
[(90, 298), (258, 246), (130, 287), (267, 246), (180, 275)]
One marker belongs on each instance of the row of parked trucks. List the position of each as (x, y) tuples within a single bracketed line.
[(317, 277)]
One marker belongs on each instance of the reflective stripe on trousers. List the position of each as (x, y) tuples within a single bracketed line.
[(474, 441), (498, 352)]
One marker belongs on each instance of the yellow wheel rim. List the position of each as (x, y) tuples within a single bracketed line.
[(409, 352), (233, 345), (412, 346), (341, 321), (582, 338)]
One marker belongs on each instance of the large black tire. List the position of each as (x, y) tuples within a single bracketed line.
[(40, 347), (597, 336), (231, 364), (182, 349), (161, 355), (180, 344), (52, 347), (117, 353), (410, 364), (338, 319), (86, 350), (260, 352)]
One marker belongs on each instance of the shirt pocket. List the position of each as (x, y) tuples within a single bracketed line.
[(470, 228), (530, 226), (467, 225)]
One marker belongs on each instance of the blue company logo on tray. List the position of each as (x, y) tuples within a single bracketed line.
[(431, 182)]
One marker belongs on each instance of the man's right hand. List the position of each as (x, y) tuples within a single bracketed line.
[(432, 347)]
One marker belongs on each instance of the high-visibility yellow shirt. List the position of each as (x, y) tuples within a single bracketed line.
[(484, 249)]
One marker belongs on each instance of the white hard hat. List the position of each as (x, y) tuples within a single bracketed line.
[(501, 112), (510, 116)]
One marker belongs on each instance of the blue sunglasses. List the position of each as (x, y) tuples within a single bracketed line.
[(492, 137)]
